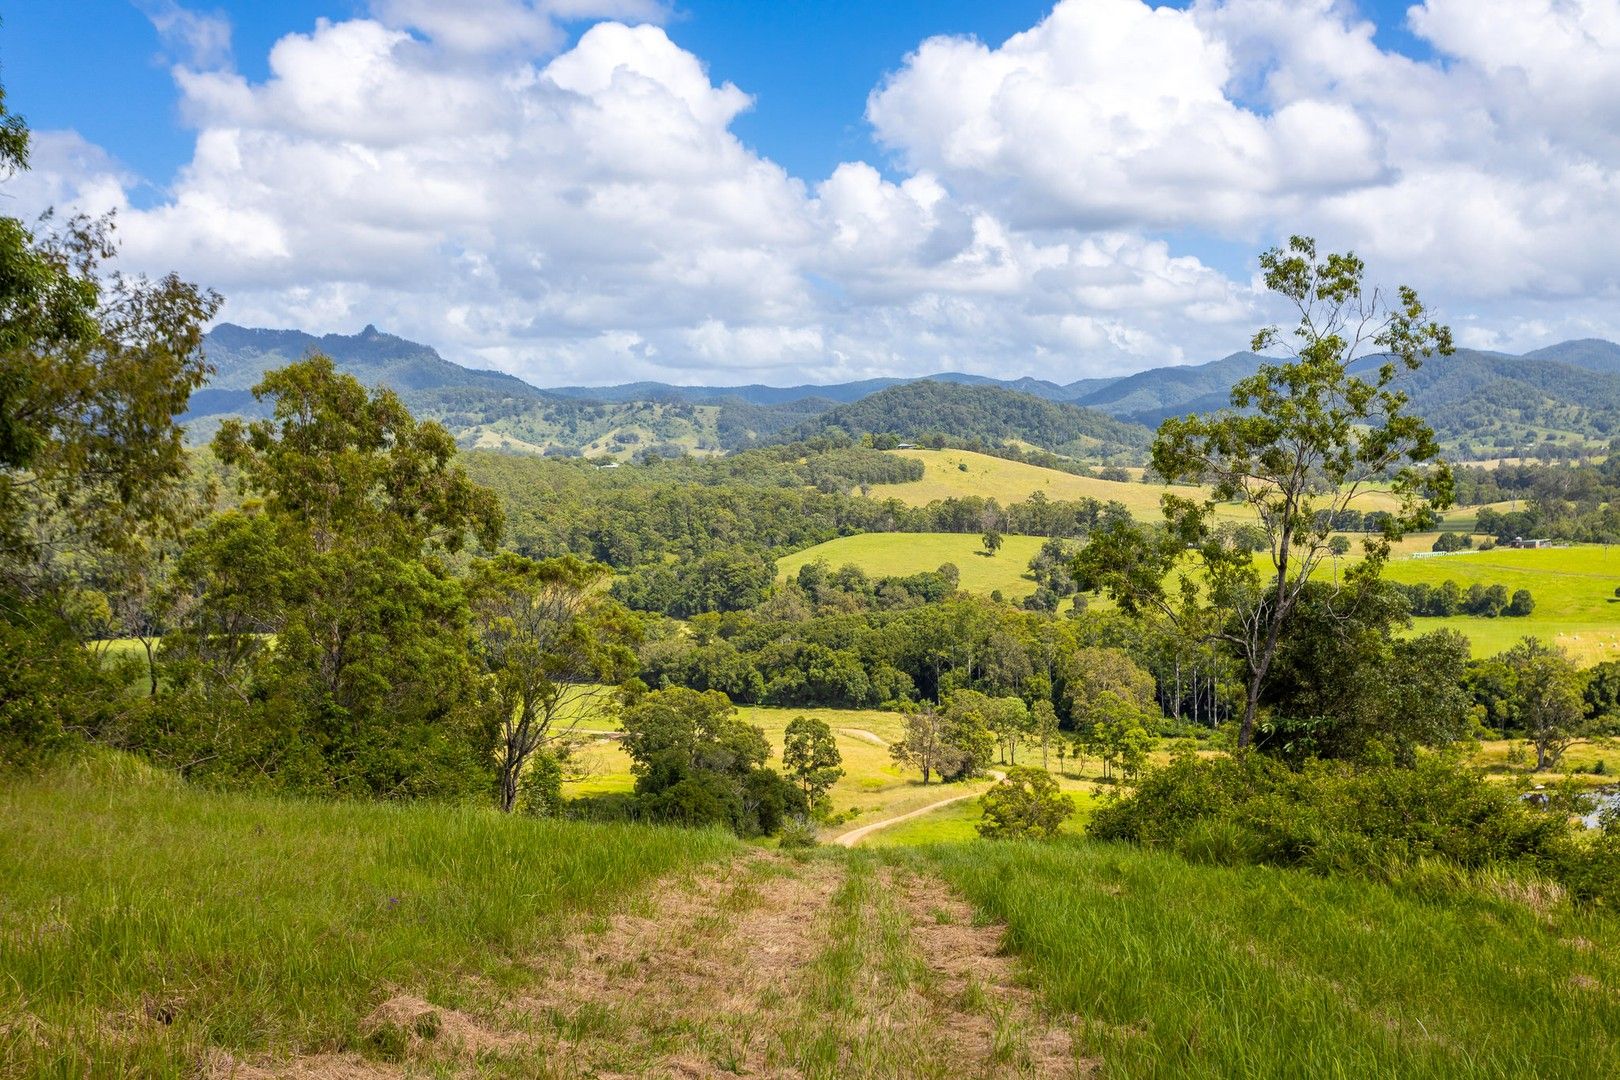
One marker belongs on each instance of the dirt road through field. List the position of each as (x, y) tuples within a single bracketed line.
[(855, 836), (830, 964)]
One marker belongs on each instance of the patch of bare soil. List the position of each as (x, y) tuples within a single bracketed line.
[(973, 1007), (759, 967), (696, 982)]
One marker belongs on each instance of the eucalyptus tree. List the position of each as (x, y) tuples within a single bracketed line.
[(95, 367), (553, 644), (1307, 435)]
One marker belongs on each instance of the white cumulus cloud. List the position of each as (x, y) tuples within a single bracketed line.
[(586, 213)]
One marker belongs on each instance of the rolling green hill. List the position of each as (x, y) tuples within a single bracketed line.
[(989, 413)]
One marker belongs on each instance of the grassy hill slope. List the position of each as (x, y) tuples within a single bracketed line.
[(143, 921), (1178, 969), (151, 929), (893, 554), (991, 477)]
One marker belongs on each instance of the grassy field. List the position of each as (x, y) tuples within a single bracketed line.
[(1573, 588), (1013, 481), (1176, 969), (872, 788), (151, 929), (888, 554), (141, 921)]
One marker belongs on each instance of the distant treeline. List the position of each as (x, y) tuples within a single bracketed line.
[(1448, 598), (1577, 503)]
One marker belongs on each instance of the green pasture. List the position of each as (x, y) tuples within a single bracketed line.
[(894, 554), (1573, 588), (957, 474), (1178, 969), (990, 477)]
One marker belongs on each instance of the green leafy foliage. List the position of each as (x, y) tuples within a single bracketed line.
[(1345, 686), (811, 757), (698, 764), (1379, 820), (94, 367), (954, 742), (1027, 805), (369, 687), (1535, 690)]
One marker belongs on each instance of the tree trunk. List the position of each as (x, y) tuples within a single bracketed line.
[(1250, 706), (151, 665), (509, 779)]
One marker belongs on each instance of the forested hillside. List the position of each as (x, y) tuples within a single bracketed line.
[(487, 408), (922, 410), (1148, 396), (1481, 404)]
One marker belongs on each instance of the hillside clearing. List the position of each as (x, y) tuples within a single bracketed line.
[(893, 554), (990, 477), (1573, 587)]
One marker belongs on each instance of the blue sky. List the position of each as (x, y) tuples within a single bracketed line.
[(1089, 200), (810, 64)]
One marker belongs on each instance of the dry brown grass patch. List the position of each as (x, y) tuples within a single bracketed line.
[(981, 1010)]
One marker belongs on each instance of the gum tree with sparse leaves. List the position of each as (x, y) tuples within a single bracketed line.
[(1306, 435)]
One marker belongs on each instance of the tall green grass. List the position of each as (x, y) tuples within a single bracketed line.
[(1177, 969), (142, 922)]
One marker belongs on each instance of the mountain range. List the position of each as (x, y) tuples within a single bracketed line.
[(1481, 403)]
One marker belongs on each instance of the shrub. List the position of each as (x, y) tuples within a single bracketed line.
[(540, 793), (797, 834), (1026, 805), (1383, 821)]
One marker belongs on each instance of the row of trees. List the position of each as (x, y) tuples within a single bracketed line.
[(1448, 598)]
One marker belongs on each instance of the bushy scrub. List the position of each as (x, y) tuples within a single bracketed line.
[(1026, 805), (698, 764), (1380, 821)]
